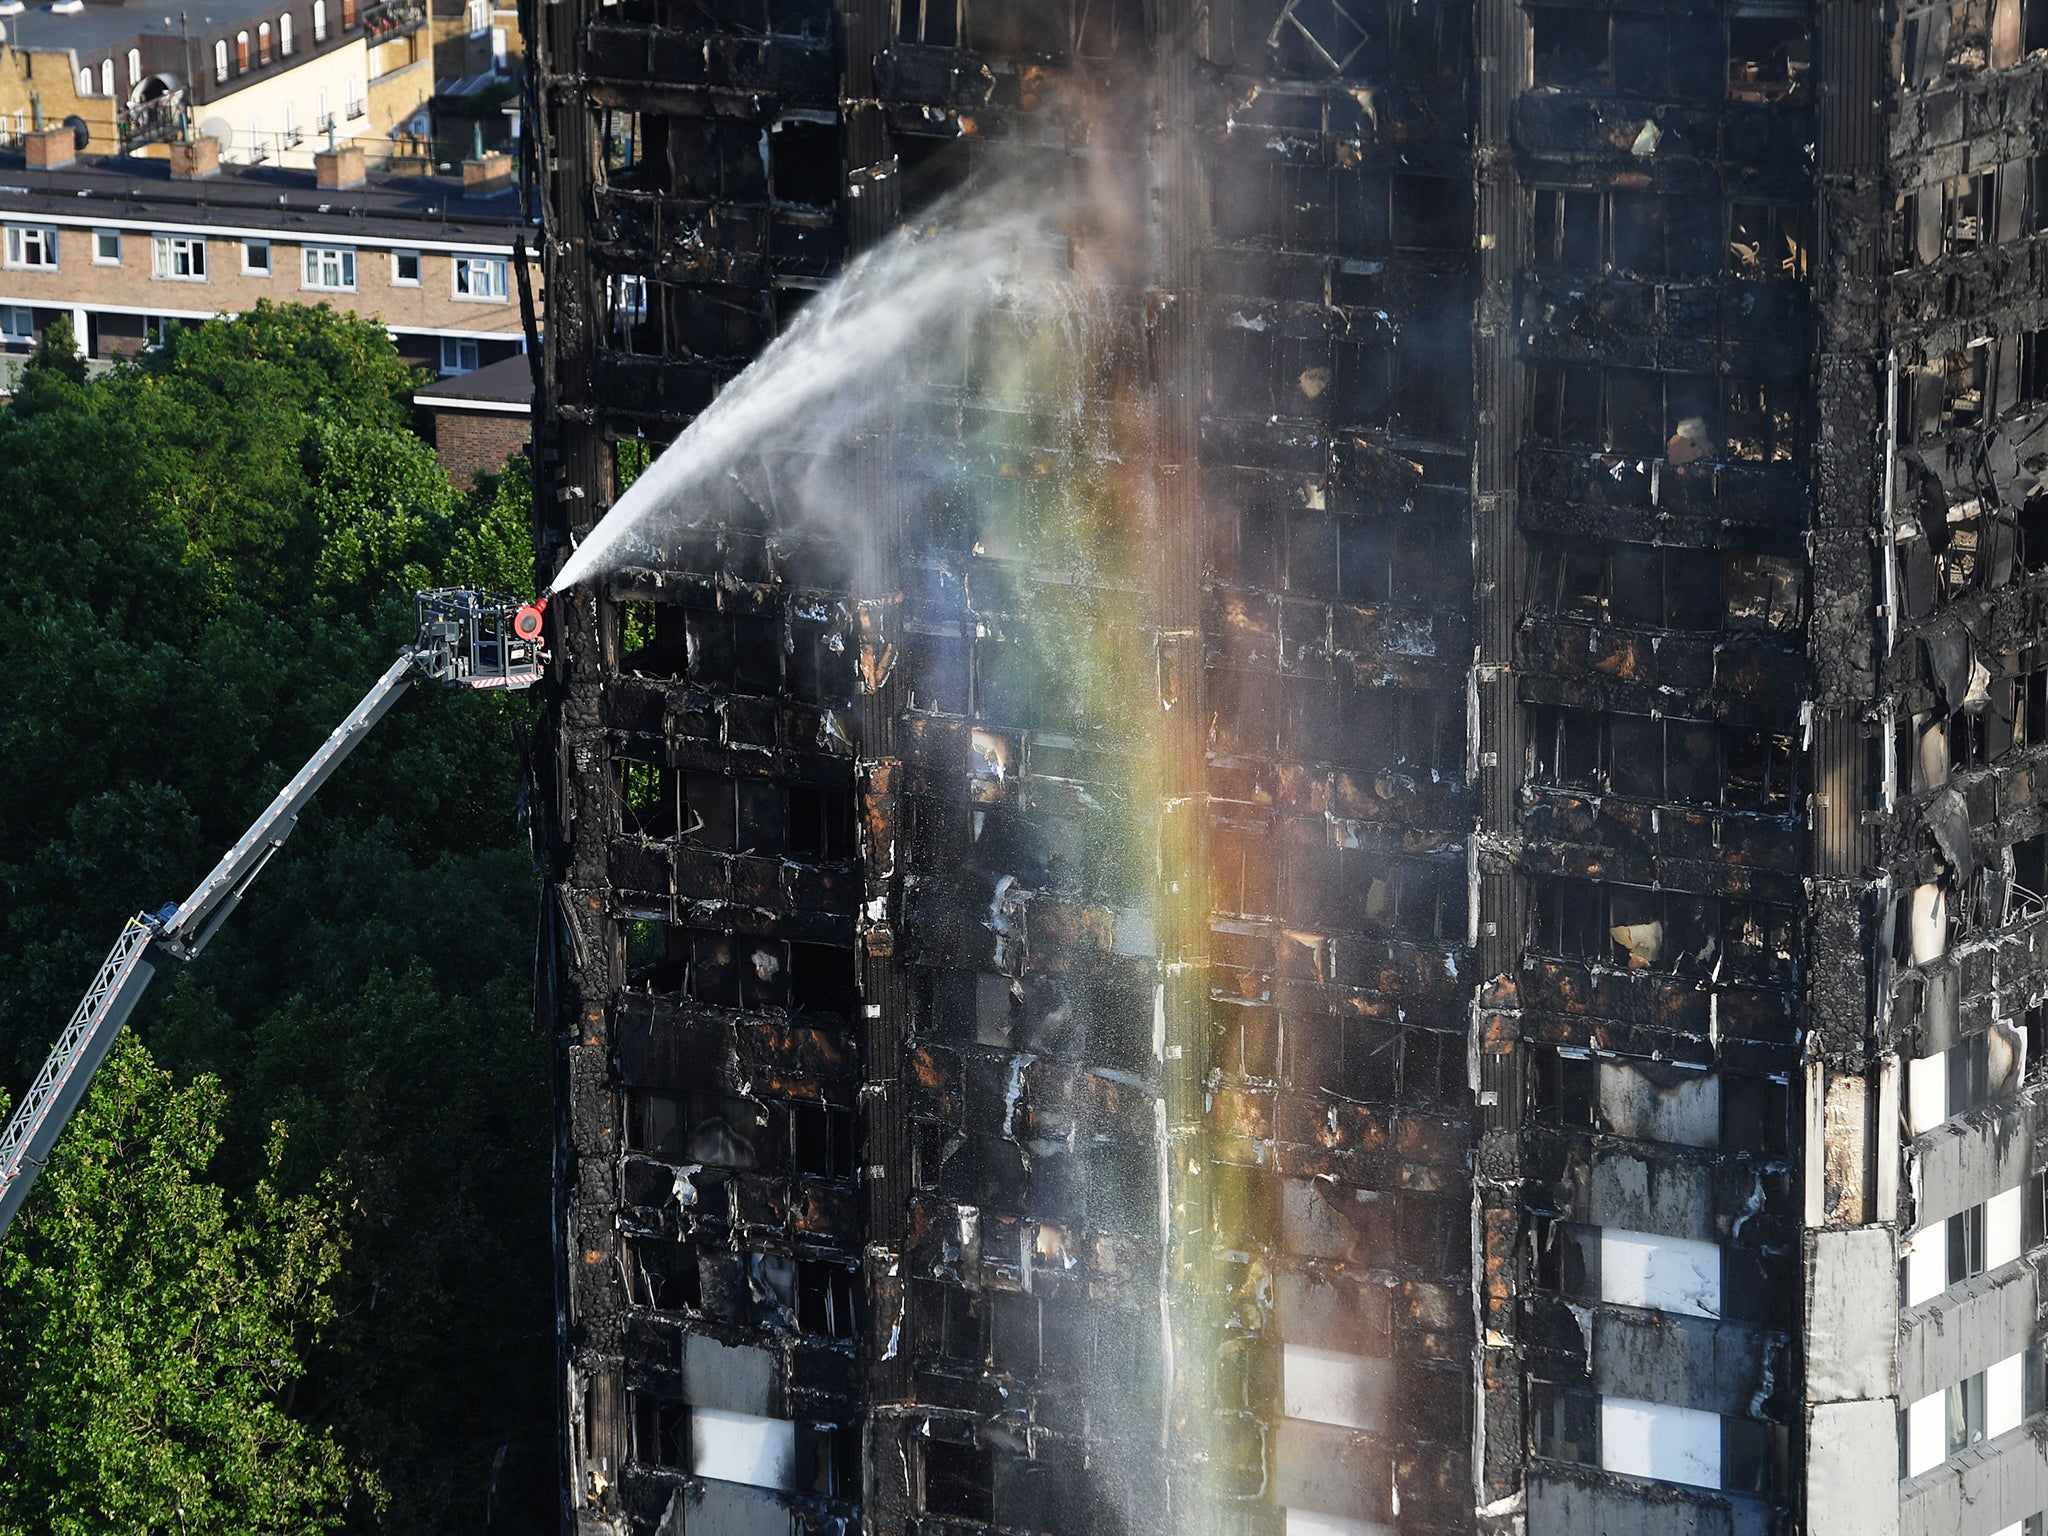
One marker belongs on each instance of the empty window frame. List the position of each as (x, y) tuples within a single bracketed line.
[(1636, 234), (828, 1299), (1644, 586), (1694, 762), (663, 1275), (1965, 390), (1400, 561), (822, 1140), (1961, 37), (1666, 931), (1429, 213), (1637, 54), (686, 155), (1971, 212), (934, 23), (1679, 418), (1417, 899), (1770, 242), (660, 1429), (1770, 56), (1574, 1090), (700, 1125)]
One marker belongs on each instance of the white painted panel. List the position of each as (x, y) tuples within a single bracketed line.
[(2003, 1387), (1687, 1113), (1646, 1269), (1332, 1388), (2002, 1229), (2017, 1528), (1306, 1522), (1926, 1092), (740, 1448), (1927, 923), (1926, 1435), (1926, 1261), (1672, 1445)]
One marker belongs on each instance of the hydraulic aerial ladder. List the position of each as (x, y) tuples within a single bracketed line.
[(465, 639)]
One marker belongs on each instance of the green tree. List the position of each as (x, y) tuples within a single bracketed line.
[(57, 350), (206, 558), (151, 1326)]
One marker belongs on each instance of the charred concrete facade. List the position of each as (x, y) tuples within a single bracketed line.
[(1478, 965)]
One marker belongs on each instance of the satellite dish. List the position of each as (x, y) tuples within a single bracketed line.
[(218, 128), (78, 129)]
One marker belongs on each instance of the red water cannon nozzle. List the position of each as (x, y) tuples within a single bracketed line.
[(526, 623)]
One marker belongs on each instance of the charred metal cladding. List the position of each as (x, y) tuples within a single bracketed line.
[(1359, 846)]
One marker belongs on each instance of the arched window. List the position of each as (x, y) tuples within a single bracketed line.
[(241, 53), (85, 82), (134, 68), (263, 43), (319, 21), (348, 13), (220, 61), (284, 34), (106, 77)]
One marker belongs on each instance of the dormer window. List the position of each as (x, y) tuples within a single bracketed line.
[(284, 34), (220, 62), (263, 43)]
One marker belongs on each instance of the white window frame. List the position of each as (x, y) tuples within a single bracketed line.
[(249, 247), (479, 17), (165, 253), (319, 21), (107, 76), (284, 35), (398, 277), (134, 68), (318, 262), (452, 348), (220, 61), (32, 247), (17, 324), (85, 81), (100, 237), (496, 285)]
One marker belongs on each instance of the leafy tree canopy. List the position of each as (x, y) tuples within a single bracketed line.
[(207, 558)]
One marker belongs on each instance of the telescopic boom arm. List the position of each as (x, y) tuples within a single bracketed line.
[(465, 640)]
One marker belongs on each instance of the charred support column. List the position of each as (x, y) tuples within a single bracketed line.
[(1852, 1110), (571, 483), (1178, 28), (872, 206), (1498, 1226)]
